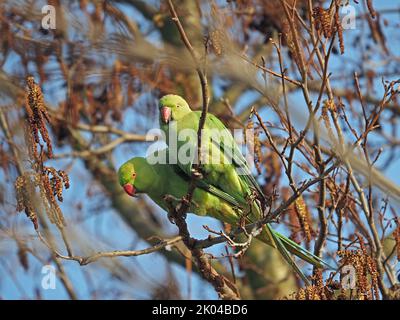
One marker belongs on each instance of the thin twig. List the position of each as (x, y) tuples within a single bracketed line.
[(84, 260)]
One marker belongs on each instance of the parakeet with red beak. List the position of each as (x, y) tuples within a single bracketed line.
[(224, 156), (137, 176), (226, 170), (159, 180)]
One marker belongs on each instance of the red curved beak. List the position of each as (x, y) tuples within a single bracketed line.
[(130, 189), (165, 114)]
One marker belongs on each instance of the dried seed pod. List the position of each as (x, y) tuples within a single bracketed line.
[(19, 190), (339, 30), (64, 177), (322, 21), (51, 183), (22, 185), (396, 235), (257, 151), (328, 105), (216, 41), (37, 116), (304, 217)]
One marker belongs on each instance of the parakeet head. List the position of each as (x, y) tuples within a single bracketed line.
[(173, 107), (127, 177), (136, 176)]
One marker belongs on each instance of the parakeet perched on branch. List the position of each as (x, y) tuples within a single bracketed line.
[(160, 180), (222, 165)]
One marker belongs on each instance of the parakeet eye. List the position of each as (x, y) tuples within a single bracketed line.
[(133, 175)]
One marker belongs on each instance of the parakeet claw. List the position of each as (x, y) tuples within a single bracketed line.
[(176, 205)]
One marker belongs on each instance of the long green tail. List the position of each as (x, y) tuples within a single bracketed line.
[(286, 246), (300, 252)]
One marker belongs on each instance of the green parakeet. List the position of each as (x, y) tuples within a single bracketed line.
[(222, 164), (158, 180)]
